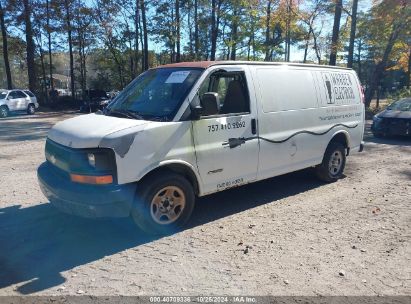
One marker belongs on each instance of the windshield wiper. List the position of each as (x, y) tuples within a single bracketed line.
[(125, 113)]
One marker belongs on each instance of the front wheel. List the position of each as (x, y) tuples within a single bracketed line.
[(333, 164), (163, 204)]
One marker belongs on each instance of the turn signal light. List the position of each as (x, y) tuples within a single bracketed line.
[(90, 179)]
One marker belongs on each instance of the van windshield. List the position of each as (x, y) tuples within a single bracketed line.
[(156, 94)]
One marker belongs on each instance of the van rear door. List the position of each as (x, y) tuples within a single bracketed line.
[(226, 144)]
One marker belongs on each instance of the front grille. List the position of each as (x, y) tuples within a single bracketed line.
[(70, 160), (401, 126), (58, 155)]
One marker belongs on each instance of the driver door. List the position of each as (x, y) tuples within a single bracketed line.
[(226, 144)]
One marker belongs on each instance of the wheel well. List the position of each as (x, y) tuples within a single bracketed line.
[(180, 169), (342, 139)]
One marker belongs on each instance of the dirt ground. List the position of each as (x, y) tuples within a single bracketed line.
[(289, 235)]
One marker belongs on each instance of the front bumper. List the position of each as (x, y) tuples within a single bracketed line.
[(84, 200), (392, 126)]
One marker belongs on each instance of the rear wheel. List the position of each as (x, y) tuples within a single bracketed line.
[(4, 111), (333, 164), (163, 204), (31, 109)]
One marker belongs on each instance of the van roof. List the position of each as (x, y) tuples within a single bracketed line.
[(207, 64)]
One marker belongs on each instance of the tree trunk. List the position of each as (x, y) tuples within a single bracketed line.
[(143, 16), (316, 48), (178, 54), (190, 32), (336, 32), (380, 68), (307, 42), (43, 70), (234, 30), (267, 31), (213, 30), (250, 40), (30, 48), (352, 33), (288, 32), (409, 69), (359, 71), (136, 25), (172, 39), (82, 57), (196, 42), (70, 42), (49, 44), (5, 49)]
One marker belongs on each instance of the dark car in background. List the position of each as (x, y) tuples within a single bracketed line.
[(394, 120), (94, 100)]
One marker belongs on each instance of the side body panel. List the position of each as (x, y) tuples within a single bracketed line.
[(160, 143), (297, 121)]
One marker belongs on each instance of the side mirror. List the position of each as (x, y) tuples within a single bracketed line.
[(196, 112), (210, 103)]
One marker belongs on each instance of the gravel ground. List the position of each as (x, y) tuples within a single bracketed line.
[(289, 235)]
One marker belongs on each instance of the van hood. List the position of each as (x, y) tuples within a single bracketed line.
[(87, 131)]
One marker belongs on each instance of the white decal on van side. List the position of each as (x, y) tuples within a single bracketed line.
[(339, 87)]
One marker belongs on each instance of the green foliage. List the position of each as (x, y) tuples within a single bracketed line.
[(403, 93), (108, 36)]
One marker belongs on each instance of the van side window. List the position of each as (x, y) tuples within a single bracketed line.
[(232, 91)]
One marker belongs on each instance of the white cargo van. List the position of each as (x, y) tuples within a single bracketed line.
[(190, 129)]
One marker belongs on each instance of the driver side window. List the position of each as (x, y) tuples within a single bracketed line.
[(232, 91)]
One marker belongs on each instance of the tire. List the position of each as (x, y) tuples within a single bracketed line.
[(163, 203), (332, 167), (31, 109), (4, 111)]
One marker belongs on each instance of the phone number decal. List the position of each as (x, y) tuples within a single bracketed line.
[(229, 184), (226, 126)]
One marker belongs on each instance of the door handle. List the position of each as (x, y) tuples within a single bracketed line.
[(253, 126)]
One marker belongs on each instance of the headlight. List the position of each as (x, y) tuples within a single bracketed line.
[(91, 159), (376, 118)]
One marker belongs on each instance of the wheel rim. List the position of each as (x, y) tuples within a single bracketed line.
[(336, 162), (167, 205), (3, 112), (31, 109)]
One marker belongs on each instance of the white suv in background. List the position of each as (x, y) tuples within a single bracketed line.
[(17, 100)]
